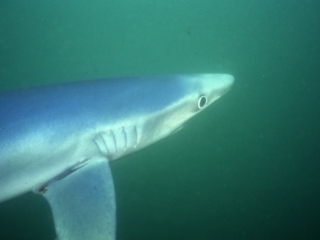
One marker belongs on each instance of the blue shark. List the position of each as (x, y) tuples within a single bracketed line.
[(58, 140)]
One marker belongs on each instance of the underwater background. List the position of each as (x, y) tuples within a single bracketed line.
[(246, 168)]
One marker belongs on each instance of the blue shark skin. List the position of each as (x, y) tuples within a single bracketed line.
[(58, 140)]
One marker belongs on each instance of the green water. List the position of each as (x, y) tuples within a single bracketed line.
[(246, 168)]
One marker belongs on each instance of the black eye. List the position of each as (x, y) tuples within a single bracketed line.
[(202, 101)]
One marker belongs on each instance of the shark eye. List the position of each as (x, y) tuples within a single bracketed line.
[(202, 101)]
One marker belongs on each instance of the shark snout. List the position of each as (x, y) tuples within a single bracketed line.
[(226, 82), (217, 85), (221, 84)]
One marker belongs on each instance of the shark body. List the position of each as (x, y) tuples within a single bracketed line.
[(58, 140)]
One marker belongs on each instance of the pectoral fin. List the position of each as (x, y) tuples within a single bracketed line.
[(83, 203)]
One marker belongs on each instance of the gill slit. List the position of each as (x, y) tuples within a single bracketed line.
[(114, 140), (136, 133), (105, 143), (125, 138)]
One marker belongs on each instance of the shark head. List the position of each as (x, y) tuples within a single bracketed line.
[(155, 108), (190, 96), (200, 91), (210, 87)]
